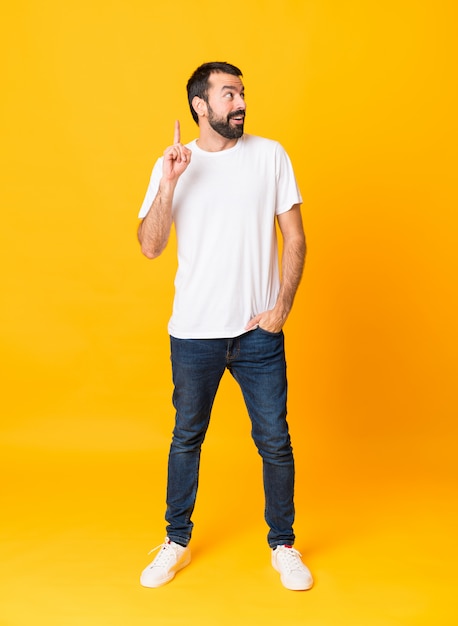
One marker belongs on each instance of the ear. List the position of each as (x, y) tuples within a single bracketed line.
[(199, 105)]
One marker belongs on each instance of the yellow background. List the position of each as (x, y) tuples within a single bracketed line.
[(363, 96)]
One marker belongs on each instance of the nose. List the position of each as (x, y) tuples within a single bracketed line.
[(240, 102)]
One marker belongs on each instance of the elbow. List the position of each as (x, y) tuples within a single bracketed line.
[(150, 254), (146, 245)]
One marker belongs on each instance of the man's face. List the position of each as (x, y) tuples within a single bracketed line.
[(226, 105)]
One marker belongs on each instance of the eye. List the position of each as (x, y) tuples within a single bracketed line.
[(229, 95)]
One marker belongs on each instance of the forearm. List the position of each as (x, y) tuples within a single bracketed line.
[(154, 229), (292, 267)]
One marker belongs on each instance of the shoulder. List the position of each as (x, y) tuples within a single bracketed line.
[(254, 141), (269, 149), (264, 145)]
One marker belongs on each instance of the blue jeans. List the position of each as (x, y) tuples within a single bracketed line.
[(256, 360)]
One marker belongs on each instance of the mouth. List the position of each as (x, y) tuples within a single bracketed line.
[(238, 117)]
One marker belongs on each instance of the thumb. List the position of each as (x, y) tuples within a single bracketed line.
[(253, 323)]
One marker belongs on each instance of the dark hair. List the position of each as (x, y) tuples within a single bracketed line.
[(198, 83)]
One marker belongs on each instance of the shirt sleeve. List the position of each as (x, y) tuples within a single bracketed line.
[(153, 186), (288, 193)]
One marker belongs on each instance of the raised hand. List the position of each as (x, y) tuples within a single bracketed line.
[(176, 157)]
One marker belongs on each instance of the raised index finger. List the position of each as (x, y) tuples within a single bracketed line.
[(176, 135)]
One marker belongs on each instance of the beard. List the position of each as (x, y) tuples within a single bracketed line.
[(223, 126)]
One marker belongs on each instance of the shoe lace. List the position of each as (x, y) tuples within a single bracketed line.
[(291, 558), (166, 554)]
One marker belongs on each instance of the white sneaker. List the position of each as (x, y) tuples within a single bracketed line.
[(170, 559), (293, 573)]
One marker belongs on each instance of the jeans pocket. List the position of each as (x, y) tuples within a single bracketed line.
[(268, 332)]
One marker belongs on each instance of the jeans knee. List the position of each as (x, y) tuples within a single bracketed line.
[(187, 441), (279, 452)]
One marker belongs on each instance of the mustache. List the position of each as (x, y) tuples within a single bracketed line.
[(238, 113)]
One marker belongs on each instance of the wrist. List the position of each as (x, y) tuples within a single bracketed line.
[(280, 312), (167, 187)]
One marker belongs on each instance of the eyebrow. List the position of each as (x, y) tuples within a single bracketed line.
[(232, 88)]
